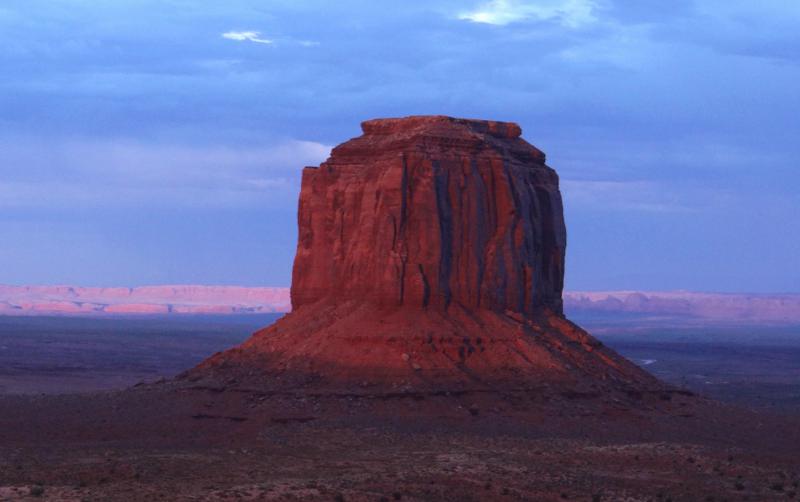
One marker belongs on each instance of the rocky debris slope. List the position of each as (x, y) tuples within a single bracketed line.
[(430, 255)]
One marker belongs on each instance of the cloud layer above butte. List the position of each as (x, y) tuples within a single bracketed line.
[(161, 142)]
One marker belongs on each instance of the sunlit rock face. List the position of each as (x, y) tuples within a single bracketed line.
[(430, 256), (430, 212)]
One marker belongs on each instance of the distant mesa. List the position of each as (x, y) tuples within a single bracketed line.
[(688, 305), (236, 300), (146, 300), (430, 255)]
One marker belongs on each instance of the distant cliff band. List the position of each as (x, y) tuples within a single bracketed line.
[(74, 300)]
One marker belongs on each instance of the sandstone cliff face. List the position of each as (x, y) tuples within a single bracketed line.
[(430, 256), (430, 211)]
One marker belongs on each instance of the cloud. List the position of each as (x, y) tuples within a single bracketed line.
[(255, 36), (125, 173), (251, 36), (570, 13), (638, 195)]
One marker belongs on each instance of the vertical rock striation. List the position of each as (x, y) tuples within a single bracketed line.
[(431, 211), (430, 255)]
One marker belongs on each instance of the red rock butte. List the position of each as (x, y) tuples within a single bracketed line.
[(430, 254)]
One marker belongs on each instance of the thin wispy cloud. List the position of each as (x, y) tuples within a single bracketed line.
[(255, 36), (570, 13), (247, 36), (124, 173), (636, 195)]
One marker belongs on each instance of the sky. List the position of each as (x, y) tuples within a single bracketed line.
[(161, 141)]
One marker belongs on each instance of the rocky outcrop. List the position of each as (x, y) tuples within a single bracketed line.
[(431, 211), (430, 255)]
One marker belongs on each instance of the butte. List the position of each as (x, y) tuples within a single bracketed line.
[(430, 258)]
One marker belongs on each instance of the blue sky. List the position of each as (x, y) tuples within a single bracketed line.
[(154, 142)]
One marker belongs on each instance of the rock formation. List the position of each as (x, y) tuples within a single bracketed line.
[(84, 301), (430, 255), (429, 211), (682, 306)]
